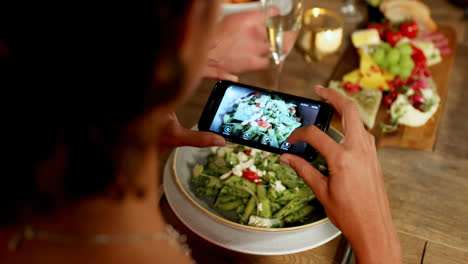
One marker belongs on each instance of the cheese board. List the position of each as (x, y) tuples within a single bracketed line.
[(422, 137)]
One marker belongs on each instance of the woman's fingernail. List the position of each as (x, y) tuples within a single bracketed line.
[(220, 142), (284, 160), (232, 77)]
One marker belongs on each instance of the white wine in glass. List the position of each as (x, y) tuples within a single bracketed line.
[(283, 20)]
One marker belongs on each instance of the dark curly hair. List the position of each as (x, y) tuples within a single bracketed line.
[(78, 75)]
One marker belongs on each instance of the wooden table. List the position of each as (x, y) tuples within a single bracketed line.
[(428, 190)]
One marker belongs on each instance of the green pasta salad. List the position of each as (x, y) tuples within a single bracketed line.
[(252, 187), (262, 118)]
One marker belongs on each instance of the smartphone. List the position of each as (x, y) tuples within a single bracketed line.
[(262, 119)]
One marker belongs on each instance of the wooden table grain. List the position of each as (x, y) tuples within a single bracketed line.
[(428, 190)]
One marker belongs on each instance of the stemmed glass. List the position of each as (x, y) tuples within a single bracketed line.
[(283, 20), (350, 12)]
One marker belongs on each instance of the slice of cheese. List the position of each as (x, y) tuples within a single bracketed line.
[(365, 37), (367, 101)]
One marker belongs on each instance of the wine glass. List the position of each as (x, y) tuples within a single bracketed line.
[(350, 13), (283, 20)]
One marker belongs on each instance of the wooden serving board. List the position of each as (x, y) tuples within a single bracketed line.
[(423, 137)]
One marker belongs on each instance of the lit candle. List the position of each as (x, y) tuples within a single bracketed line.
[(321, 35), (328, 41)]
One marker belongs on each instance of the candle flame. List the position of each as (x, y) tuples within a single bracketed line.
[(315, 12)]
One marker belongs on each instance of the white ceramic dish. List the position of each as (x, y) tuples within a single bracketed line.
[(201, 219), (228, 9)]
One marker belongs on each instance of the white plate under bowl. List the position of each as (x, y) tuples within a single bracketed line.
[(229, 235)]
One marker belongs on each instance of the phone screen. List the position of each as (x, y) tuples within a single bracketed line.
[(263, 118)]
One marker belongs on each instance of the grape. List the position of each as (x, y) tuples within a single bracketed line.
[(395, 69), (385, 64), (379, 56), (405, 73), (405, 49), (406, 63), (393, 56), (386, 46)]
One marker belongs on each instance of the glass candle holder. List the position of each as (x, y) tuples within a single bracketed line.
[(321, 35)]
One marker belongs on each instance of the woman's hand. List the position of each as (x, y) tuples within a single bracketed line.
[(241, 45), (354, 194), (175, 135)]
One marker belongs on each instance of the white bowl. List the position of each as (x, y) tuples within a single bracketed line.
[(201, 218), (228, 9)]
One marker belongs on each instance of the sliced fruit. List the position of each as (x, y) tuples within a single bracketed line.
[(388, 76), (352, 77), (372, 77)]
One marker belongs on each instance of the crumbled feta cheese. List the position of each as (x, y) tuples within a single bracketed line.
[(260, 207), (242, 157), (254, 169), (237, 171), (264, 222), (265, 163), (296, 189), (278, 186), (254, 151)]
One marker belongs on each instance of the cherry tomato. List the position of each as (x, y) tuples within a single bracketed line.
[(392, 37), (257, 94), (263, 123), (248, 152), (292, 109), (409, 29), (249, 175), (257, 105)]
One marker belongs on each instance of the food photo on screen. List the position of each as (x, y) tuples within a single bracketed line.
[(261, 117)]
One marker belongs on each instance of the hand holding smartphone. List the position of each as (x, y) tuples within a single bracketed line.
[(262, 119)]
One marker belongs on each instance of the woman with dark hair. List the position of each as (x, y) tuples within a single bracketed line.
[(95, 88)]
